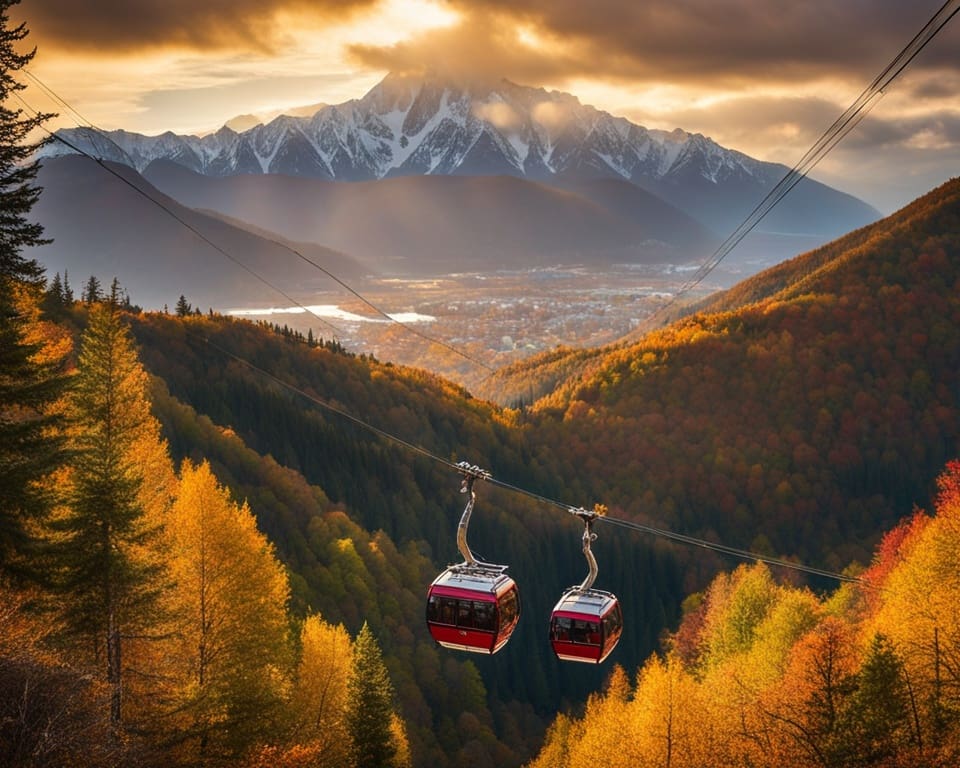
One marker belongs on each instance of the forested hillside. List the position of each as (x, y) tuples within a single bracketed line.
[(147, 620), (802, 424), (409, 499), (765, 674)]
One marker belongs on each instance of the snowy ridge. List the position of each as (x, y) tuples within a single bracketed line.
[(425, 125)]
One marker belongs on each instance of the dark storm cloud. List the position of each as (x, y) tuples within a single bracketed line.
[(678, 40), (693, 40), (130, 24)]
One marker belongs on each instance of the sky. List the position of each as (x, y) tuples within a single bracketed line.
[(765, 78)]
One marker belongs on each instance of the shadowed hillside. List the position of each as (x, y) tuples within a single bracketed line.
[(101, 225), (358, 479), (802, 423)]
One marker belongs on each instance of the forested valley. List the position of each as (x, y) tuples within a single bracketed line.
[(216, 536), (761, 673)]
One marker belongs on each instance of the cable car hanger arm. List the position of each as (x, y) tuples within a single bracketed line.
[(470, 472)]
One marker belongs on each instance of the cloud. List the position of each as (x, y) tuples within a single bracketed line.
[(480, 46), (730, 42), (727, 42), (126, 25)]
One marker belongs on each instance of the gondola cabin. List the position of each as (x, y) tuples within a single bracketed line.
[(473, 607), (585, 625)]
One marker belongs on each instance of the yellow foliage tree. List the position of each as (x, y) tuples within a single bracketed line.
[(603, 737), (230, 655), (919, 615), (319, 694)]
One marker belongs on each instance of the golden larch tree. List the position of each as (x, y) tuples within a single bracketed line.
[(231, 634)]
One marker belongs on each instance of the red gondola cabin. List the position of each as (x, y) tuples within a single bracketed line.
[(585, 625), (473, 608)]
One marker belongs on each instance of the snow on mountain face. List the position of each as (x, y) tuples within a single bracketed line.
[(412, 125)]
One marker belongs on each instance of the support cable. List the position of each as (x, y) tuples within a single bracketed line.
[(55, 136), (471, 472), (842, 126)]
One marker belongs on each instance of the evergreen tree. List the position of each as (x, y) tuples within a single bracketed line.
[(92, 293), (29, 448), (17, 193), (880, 710), (183, 306), (67, 289), (116, 292), (53, 298), (370, 705), (98, 554)]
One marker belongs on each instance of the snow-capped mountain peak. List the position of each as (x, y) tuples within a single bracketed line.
[(433, 125)]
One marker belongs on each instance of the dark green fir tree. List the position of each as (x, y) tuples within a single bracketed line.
[(369, 705), (29, 447), (109, 587)]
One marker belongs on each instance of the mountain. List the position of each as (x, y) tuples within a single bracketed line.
[(430, 126), (438, 224), (804, 411), (100, 224)]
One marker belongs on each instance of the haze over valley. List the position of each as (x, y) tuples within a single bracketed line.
[(513, 204)]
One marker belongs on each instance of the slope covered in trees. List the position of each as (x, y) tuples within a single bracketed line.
[(410, 501), (767, 674), (798, 425), (802, 424), (157, 628)]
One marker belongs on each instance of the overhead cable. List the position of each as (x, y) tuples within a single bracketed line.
[(842, 126), (664, 533), (286, 246)]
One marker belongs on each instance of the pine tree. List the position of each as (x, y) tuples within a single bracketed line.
[(369, 705), (183, 306), (92, 293), (67, 289), (29, 448), (110, 586), (17, 193), (53, 298), (880, 711)]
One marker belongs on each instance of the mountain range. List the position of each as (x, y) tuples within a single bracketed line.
[(110, 222), (425, 173)]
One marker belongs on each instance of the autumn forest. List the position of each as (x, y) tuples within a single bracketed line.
[(209, 558)]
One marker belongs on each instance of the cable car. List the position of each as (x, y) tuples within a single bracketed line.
[(586, 623), (585, 626), (473, 606)]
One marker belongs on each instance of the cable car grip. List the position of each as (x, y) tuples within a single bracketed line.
[(470, 472), (588, 537)]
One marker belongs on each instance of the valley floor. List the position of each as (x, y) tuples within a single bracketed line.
[(495, 318)]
